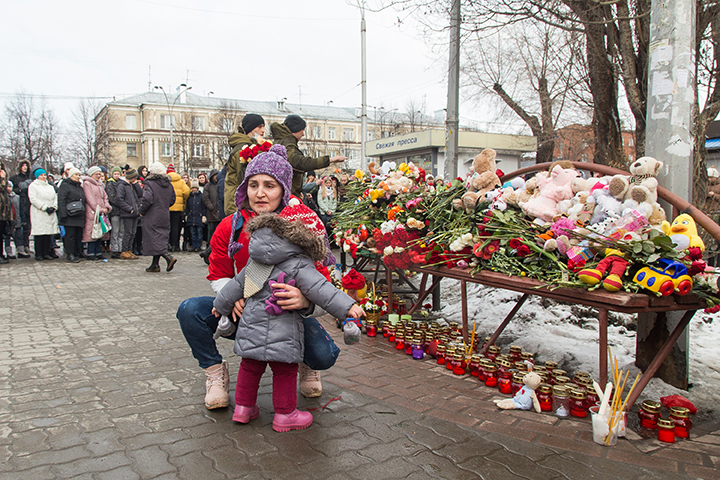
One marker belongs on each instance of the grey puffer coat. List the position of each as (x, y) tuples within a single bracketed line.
[(293, 249)]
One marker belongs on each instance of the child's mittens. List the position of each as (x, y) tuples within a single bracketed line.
[(271, 305), (351, 333), (225, 328)]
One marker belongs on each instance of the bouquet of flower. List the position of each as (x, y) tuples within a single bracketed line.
[(249, 152)]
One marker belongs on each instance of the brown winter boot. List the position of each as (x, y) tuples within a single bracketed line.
[(310, 383), (128, 256), (217, 386)]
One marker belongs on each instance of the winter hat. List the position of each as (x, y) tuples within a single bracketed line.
[(10, 184), (68, 166), (39, 172), (93, 170), (298, 211), (312, 172), (274, 163), (72, 171), (295, 123), (115, 169), (103, 169), (194, 183), (170, 168), (157, 168), (131, 174), (251, 121), (353, 280)]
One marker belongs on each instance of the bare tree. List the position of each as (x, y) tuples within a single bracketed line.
[(413, 116), (536, 70), (84, 146), (31, 131)]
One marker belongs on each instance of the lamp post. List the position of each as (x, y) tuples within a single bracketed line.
[(184, 88)]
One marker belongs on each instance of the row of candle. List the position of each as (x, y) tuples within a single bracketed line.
[(678, 423)]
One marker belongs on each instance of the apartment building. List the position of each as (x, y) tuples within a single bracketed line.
[(191, 131)]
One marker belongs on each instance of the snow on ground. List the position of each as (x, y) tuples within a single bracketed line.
[(568, 335)]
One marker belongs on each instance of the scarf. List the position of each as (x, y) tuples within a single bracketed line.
[(238, 221)]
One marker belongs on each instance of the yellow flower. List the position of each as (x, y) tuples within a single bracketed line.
[(359, 174)]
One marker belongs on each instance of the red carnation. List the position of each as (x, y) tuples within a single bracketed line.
[(523, 251), (695, 253), (515, 243), (697, 267)]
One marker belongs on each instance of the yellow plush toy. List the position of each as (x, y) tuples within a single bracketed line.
[(683, 233)]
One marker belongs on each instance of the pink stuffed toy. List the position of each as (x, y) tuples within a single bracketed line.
[(552, 189)]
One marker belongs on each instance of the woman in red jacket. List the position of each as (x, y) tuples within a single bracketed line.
[(265, 188)]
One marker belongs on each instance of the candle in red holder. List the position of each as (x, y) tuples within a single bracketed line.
[(391, 334), (429, 344), (681, 417), (517, 382), (481, 369), (550, 366), (649, 414), (371, 328), (516, 353), (400, 341), (592, 396), (504, 381), (385, 325), (440, 354), (491, 379), (460, 363), (401, 308), (454, 327), (474, 365), (544, 396), (520, 366), (503, 365), (493, 352), (528, 357), (582, 378), (578, 403), (666, 430), (449, 361), (561, 401)]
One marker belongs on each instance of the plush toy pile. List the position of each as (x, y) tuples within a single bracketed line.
[(559, 225)]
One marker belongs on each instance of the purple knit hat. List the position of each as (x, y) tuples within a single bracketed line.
[(274, 163)]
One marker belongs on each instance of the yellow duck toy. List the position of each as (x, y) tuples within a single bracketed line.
[(683, 232)]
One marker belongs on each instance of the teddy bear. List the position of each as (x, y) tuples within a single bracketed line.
[(518, 190), (642, 185), (552, 189), (525, 398), (482, 180)]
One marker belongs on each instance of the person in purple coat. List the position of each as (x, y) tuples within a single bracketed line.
[(158, 196)]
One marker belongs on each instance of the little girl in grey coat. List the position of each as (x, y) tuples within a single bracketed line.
[(277, 247)]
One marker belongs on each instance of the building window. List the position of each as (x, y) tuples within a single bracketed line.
[(198, 124), (348, 134), (225, 151), (630, 158), (318, 154), (630, 142), (317, 132), (130, 122), (561, 147), (353, 154), (166, 121), (584, 143), (370, 135), (165, 149), (584, 157), (132, 149), (199, 150), (331, 133), (227, 125)]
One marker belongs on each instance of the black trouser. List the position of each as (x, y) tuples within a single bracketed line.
[(175, 219), (43, 246), (211, 229), (3, 226), (137, 245), (70, 241), (129, 228)]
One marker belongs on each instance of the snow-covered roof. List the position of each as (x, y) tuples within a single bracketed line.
[(268, 108)]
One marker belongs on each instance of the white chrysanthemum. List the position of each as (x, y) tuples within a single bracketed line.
[(388, 250)]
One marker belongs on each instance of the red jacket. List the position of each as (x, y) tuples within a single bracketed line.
[(221, 266)]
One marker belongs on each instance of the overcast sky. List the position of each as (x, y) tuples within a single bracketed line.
[(307, 51)]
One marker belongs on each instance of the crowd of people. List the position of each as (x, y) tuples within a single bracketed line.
[(248, 210)]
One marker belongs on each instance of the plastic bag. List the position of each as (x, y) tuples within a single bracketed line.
[(351, 333)]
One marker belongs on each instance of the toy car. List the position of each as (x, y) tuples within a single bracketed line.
[(665, 276)]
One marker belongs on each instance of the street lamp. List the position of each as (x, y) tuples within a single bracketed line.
[(184, 88)]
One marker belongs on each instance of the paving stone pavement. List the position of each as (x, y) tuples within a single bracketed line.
[(97, 382)]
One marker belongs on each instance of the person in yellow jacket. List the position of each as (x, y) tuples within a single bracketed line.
[(177, 210)]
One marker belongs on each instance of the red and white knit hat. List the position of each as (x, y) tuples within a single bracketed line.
[(170, 168), (296, 210)]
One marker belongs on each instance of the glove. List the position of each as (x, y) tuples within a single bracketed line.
[(50, 210)]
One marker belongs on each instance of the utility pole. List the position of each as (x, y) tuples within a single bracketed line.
[(363, 82), (671, 98), (452, 122)]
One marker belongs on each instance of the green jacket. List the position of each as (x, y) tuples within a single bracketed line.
[(236, 168), (300, 163)]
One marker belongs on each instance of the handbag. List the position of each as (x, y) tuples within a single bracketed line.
[(97, 231), (75, 208), (105, 223)]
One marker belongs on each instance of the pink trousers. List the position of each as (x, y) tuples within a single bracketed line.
[(284, 393)]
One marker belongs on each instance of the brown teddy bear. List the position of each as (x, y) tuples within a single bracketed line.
[(641, 186), (483, 180)]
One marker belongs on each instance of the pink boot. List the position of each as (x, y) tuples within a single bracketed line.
[(296, 420), (245, 414)]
